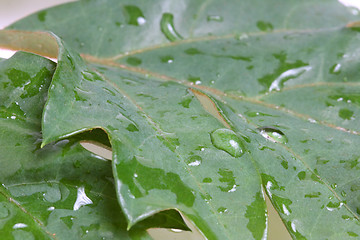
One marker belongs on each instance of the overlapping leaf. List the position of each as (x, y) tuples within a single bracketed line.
[(60, 191), (282, 75)]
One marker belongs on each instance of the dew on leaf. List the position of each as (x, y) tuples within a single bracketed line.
[(333, 206), (134, 15), (132, 128), (19, 225), (215, 18), (222, 210), (227, 140), (273, 134), (42, 16), (4, 211), (264, 26), (133, 61), (193, 51), (346, 114), (291, 73), (81, 199), (167, 59), (335, 69), (168, 29), (352, 234), (207, 180), (194, 161)]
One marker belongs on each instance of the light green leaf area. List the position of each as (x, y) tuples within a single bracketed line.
[(205, 103), (60, 191)]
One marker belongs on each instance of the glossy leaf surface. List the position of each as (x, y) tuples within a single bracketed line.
[(277, 79), (60, 191)]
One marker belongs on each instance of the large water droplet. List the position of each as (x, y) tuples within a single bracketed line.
[(227, 140), (81, 199), (291, 73), (273, 134), (168, 29)]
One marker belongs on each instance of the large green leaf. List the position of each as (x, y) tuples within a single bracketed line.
[(205, 101), (60, 191)]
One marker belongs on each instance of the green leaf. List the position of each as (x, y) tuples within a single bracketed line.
[(278, 78), (60, 191)]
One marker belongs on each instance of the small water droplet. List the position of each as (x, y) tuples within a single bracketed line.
[(141, 20), (311, 120), (264, 26), (167, 59), (334, 185), (168, 29), (335, 69), (194, 161), (273, 134), (215, 18), (343, 193), (19, 225), (51, 209), (222, 210), (176, 230), (134, 61), (207, 180), (4, 211), (346, 114), (227, 140), (134, 15)]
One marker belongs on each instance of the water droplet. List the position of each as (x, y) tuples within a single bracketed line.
[(194, 161), (291, 73), (168, 29), (134, 15), (215, 18), (176, 230), (343, 193), (4, 211), (19, 225), (167, 59), (222, 210), (134, 61), (311, 120), (333, 206), (346, 114), (81, 199), (227, 140), (51, 209), (334, 185), (42, 16), (273, 134), (141, 20), (264, 26), (207, 180), (335, 69)]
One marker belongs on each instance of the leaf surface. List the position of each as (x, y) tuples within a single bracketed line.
[(60, 191), (209, 101)]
